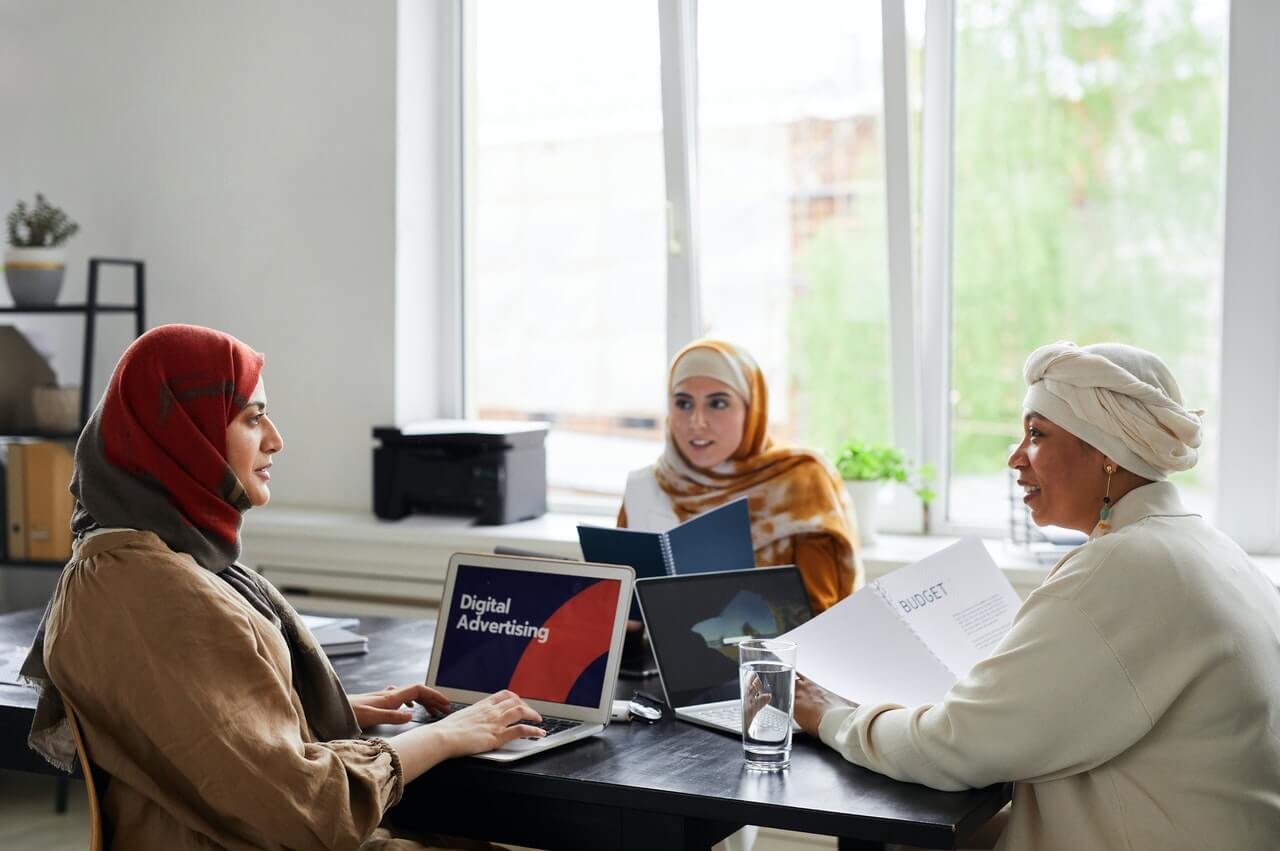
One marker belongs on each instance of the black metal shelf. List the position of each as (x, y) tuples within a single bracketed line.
[(90, 309), (72, 308), (41, 565), (41, 435)]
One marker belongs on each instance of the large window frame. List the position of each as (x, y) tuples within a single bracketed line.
[(920, 306)]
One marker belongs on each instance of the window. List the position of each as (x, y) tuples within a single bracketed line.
[(566, 298), (792, 208), (1064, 181), (1087, 202)]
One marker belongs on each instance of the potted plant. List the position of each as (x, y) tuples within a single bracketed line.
[(867, 469), (35, 260)]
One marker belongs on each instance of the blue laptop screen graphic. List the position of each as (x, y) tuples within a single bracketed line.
[(545, 636), (696, 623)]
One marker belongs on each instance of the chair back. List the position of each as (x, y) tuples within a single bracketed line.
[(95, 811)]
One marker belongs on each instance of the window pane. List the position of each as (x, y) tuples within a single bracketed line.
[(567, 287), (1088, 199), (794, 262)]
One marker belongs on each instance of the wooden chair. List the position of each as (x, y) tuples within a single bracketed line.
[(91, 788)]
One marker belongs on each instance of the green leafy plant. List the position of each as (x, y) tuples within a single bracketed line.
[(43, 226), (865, 462), (860, 461)]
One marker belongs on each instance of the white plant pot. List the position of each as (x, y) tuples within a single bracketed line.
[(34, 275), (866, 496)]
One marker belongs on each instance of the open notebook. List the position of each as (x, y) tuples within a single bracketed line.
[(908, 636), (719, 539)]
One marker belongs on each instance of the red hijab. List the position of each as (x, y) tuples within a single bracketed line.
[(153, 455)]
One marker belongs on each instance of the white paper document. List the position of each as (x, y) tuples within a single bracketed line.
[(11, 658), (908, 636), (315, 623)]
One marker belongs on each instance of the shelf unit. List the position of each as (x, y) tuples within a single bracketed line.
[(91, 309)]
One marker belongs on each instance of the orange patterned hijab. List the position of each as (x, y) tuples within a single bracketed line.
[(790, 491)]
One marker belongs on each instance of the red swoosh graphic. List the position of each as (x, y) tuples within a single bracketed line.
[(580, 632)]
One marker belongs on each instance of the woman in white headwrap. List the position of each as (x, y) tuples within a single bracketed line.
[(1136, 698)]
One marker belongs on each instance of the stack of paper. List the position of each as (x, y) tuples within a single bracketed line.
[(335, 635), (11, 658)]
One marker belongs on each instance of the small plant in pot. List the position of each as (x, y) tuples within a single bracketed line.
[(35, 260), (867, 469)]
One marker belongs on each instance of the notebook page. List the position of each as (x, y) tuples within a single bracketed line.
[(956, 600), (862, 650)]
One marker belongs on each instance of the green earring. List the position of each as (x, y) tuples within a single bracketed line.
[(1104, 516)]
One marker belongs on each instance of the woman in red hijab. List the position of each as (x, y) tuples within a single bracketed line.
[(198, 690)]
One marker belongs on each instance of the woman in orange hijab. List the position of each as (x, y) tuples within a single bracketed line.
[(718, 449)]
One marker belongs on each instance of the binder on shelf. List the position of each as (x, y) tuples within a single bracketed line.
[(47, 468), (4, 509), (15, 516)]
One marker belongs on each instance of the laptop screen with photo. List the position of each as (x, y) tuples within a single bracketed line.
[(545, 636), (696, 622)]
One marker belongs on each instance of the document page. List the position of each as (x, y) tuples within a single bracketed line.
[(956, 600), (11, 658), (861, 649)]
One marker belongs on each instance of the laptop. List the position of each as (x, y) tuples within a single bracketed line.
[(695, 623), (549, 630)]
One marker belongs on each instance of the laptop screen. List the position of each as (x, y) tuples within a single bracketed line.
[(695, 623), (545, 636)]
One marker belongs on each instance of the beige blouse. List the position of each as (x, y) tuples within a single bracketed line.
[(185, 699), (1135, 700)]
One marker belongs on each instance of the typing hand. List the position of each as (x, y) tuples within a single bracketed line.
[(489, 724), (388, 706), (813, 701)]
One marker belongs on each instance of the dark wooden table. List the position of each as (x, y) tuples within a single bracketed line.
[(669, 785)]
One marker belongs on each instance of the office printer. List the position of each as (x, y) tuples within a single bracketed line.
[(497, 470)]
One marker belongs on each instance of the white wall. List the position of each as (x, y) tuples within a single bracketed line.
[(246, 151)]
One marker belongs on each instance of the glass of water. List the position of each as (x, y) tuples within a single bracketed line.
[(767, 676)]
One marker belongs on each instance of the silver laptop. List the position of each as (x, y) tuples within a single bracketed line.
[(549, 630), (695, 623)]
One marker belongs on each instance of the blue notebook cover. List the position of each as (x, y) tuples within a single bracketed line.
[(719, 539)]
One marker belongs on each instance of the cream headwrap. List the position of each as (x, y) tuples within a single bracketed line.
[(1118, 399), (710, 363)]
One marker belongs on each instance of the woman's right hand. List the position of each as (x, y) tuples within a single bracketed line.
[(489, 723)]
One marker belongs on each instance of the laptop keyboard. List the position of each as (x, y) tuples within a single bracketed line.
[(727, 714), (551, 725)]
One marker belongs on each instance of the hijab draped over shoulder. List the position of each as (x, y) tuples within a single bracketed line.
[(153, 458), (790, 491)]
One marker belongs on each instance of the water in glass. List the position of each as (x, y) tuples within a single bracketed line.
[(768, 686)]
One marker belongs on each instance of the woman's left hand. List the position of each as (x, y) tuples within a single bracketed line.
[(812, 702), (386, 706)]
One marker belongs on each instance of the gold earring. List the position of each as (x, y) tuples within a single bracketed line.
[(1104, 516)]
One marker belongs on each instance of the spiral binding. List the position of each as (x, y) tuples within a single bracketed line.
[(668, 559)]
